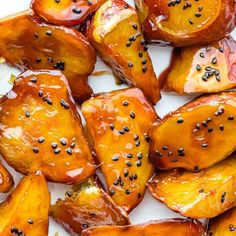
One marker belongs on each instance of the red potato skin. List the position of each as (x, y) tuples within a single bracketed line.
[(150, 10), (29, 43), (6, 180), (64, 12)]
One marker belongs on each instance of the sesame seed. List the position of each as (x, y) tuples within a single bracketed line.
[(69, 151), (180, 120), (35, 150), (41, 139), (57, 151)]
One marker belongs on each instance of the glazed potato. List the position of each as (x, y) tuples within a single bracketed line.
[(197, 135), (202, 69), (25, 211), (65, 12), (223, 225), (205, 194), (185, 23), (6, 180), (87, 205), (27, 42), (178, 227), (40, 129), (116, 34), (118, 123)]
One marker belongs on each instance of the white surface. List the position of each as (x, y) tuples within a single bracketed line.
[(149, 209)]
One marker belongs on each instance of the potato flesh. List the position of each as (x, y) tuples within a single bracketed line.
[(6, 180)]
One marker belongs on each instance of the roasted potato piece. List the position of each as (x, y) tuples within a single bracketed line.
[(197, 135), (202, 69), (178, 227), (186, 23), (115, 33), (87, 205), (66, 12), (40, 129), (205, 194), (119, 123), (223, 225), (25, 211), (27, 42), (6, 180)]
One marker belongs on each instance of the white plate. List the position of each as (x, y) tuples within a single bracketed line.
[(149, 209)]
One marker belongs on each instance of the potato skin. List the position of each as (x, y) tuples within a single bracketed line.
[(67, 12), (40, 129), (205, 194), (29, 43), (86, 206), (119, 123), (197, 135), (116, 34), (6, 180), (201, 69), (155, 13), (26, 208), (179, 227)]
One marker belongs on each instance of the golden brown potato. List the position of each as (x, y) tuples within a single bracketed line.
[(177, 227), (197, 135), (119, 123), (6, 180), (40, 129), (223, 225), (205, 194), (184, 23), (25, 211), (87, 205), (65, 12), (116, 34), (202, 69), (27, 42)]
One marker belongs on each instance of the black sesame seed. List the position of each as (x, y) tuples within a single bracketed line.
[(48, 32), (144, 69), (33, 80), (112, 192), (201, 191), (40, 93), (135, 26), (180, 150), (54, 145), (127, 192), (221, 50), (165, 148), (72, 145), (38, 60), (147, 138), (49, 101), (137, 144), (142, 41), (115, 158), (125, 103), (132, 115), (190, 21), (140, 156), (41, 139), (77, 11), (198, 67), (214, 61), (170, 154), (204, 145), (126, 129), (231, 117), (159, 154), (30, 221), (138, 163), (202, 55), (139, 195), (63, 142), (144, 61), (69, 151), (198, 14), (57, 151), (112, 127), (221, 127), (122, 132), (136, 137), (126, 173), (210, 130), (180, 120), (140, 54), (223, 197), (128, 163), (129, 155), (27, 114), (35, 150)]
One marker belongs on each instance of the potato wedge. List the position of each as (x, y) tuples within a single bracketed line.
[(6, 180), (197, 135), (27, 42), (186, 23), (179, 227), (65, 12), (87, 205), (223, 225), (40, 129), (205, 194), (25, 211), (202, 69), (116, 34), (119, 123)]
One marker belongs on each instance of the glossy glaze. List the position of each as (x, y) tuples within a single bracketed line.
[(119, 123), (85, 206), (205, 194), (202, 69), (186, 23), (40, 129), (27, 42), (6, 180), (26, 208), (197, 135), (223, 225), (65, 12), (169, 227), (116, 34)]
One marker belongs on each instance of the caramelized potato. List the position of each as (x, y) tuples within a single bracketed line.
[(119, 123), (87, 205), (185, 23), (66, 12), (205, 194), (26, 42), (197, 135), (25, 211), (6, 180), (40, 129), (178, 227), (223, 225), (116, 34), (202, 69)]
